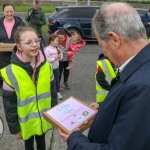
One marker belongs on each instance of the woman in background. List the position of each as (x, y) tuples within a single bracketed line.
[(64, 46), (8, 26)]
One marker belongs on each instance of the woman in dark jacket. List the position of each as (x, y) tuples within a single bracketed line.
[(8, 26)]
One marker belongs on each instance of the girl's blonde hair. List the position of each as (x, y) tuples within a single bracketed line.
[(19, 32)]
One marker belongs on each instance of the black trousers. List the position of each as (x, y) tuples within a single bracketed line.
[(148, 31), (40, 142), (42, 43), (62, 69)]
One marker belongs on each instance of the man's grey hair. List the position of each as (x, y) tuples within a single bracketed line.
[(124, 22)]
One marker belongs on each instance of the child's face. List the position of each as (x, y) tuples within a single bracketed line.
[(75, 38), (55, 42), (29, 44), (61, 38)]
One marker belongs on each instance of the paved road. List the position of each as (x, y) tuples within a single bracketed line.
[(82, 85)]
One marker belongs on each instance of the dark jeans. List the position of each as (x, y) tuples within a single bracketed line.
[(56, 76), (40, 141), (42, 43), (62, 68), (148, 31)]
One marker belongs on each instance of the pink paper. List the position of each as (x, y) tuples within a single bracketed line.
[(71, 113)]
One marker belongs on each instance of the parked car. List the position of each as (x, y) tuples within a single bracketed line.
[(77, 18), (141, 11), (73, 18)]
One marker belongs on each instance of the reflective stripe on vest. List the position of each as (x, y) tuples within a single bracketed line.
[(32, 99), (31, 116), (109, 75), (106, 71)]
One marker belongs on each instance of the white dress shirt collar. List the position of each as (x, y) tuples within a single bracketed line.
[(124, 64)]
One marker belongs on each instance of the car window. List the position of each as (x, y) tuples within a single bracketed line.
[(141, 12), (66, 13), (86, 13), (77, 13)]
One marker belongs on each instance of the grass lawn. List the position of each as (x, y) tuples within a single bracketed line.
[(24, 8)]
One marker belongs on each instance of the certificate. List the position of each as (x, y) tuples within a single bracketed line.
[(71, 114)]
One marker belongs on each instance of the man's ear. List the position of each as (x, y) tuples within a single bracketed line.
[(114, 38)]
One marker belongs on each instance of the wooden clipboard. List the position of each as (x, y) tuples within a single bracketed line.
[(6, 47), (71, 114)]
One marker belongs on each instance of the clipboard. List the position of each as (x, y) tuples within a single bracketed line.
[(71, 114), (6, 47)]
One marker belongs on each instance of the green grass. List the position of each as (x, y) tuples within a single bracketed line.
[(24, 8)]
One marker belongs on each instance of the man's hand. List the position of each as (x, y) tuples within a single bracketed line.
[(94, 105), (30, 13), (65, 136), (18, 136)]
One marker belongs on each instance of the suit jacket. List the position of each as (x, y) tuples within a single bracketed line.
[(123, 120)]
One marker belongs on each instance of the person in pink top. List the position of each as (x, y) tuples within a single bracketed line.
[(9, 23), (53, 55), (76, 44)]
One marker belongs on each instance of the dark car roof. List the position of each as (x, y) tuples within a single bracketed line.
[(64, 7), (141, 11)]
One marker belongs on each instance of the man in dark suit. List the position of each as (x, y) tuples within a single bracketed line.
[(123, 119)]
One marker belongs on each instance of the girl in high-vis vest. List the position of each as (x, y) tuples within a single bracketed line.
[(28, 90), (104, 75)]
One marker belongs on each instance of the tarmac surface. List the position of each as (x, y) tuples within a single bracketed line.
[(82, 86)]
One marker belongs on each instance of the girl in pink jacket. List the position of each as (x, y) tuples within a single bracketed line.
[(76, 44)]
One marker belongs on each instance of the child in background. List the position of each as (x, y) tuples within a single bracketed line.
[(28, 90), (53, 55), (76, 44), (105, 73)]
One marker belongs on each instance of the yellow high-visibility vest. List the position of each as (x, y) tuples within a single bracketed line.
[(109, 75), (32, 98)]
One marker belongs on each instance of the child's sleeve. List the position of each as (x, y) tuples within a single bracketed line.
[(49, 56), (76, 47), (100, 77), (53, 90), (10, 107), (53, 93)]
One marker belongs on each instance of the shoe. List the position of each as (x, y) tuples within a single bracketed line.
[(69, 66), (60, 89), (66, 86), (59, 96)]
